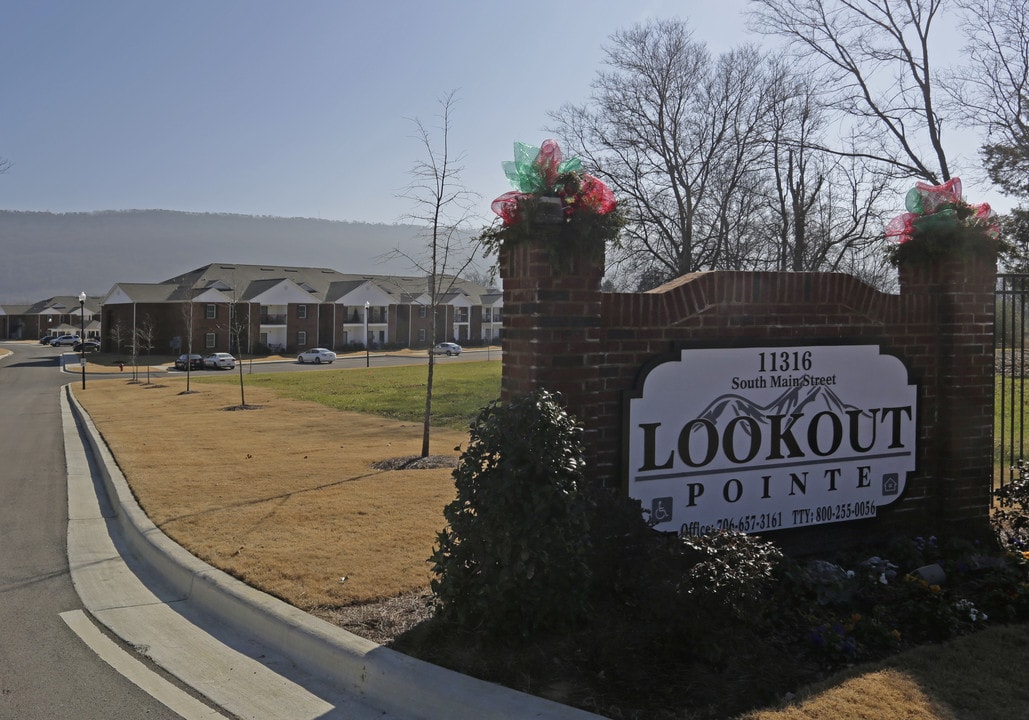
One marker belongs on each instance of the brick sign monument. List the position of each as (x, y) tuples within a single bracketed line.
[(805, 403)]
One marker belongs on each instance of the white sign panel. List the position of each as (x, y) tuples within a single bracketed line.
[(767, 438)]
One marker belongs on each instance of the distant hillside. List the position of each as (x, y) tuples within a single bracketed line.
[(44, 254)]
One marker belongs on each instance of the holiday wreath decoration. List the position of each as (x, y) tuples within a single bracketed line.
[(939, 222), (572, 211)]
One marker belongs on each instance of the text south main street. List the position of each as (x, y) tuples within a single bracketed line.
[(781, 381)]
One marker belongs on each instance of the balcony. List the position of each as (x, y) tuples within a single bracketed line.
[(273, 319)]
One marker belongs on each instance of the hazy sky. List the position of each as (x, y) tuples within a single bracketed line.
[(290, 108)]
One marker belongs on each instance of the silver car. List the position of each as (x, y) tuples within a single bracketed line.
[(219, 361), (316, 355), (447, 348)]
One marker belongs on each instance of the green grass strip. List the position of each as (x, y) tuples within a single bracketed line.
[(459, 390)]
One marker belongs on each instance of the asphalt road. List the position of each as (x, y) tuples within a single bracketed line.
[(46, 671)]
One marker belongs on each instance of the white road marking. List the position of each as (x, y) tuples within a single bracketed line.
[(136, 672)]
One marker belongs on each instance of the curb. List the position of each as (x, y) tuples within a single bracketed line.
[(376, 676)]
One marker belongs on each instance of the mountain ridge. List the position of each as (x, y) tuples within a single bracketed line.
[(46, 254)]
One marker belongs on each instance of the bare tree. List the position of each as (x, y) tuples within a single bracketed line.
[(237, 326), (826, 209), (737, 161), (118, 334), (145, 334), (721, 160), (187, 311), (675, 134), (638, 133), (739, 95), (795, 124), (443, 207), (992, 88), (872, 57)]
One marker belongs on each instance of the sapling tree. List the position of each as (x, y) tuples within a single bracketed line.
[(239, 334), (188, 313), (238, 327), (443, 208), (145, 334), (118, 334)]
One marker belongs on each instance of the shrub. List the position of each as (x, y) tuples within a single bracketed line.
[(513, 557), (720, 585), (729, 569), (1011, 518)]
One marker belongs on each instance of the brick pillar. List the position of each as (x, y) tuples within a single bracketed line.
[(960, 426), (551, 329)]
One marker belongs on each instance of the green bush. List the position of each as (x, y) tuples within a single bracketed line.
[(1011, 518), (512, 559), (729, 569)]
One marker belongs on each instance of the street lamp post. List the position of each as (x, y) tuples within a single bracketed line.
[(367, 342), (82, 336)]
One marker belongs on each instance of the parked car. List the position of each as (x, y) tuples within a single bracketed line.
[(191, 362), (45, 340), (218, 361), (86, 346), (447, 348), (65, 340), (316, 356)]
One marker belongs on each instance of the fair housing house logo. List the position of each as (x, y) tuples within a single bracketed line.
[(765, 438)]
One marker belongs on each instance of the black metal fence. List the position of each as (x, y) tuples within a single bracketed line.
[(1009, 435)]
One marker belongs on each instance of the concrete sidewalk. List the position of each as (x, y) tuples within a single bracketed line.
[(247, 652)]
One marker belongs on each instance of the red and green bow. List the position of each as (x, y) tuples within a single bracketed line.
[(538, 172)]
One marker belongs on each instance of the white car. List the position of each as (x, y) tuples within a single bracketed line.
[(316, 356), (217, 361), (447, 348), (65, 340)]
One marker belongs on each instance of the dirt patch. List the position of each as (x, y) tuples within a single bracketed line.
[(383, 620), (416, 462)]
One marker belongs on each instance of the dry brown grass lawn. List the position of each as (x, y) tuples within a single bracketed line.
[(283, 496)]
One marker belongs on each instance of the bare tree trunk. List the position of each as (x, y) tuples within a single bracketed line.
[(435, 188)]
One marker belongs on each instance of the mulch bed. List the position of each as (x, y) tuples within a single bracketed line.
[(416, 462)]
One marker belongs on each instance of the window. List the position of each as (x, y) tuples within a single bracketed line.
[(421, 335), (422, 311), (301, 312), (301, 339), (210, 338), (211, 312)]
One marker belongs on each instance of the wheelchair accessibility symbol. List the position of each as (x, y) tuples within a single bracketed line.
[(660, 510)]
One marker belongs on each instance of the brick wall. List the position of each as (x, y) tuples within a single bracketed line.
[(561, 333)]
